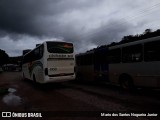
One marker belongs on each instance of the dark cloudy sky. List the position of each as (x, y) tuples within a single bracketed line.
[(86, 23)]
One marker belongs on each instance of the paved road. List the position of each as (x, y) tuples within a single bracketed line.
[(78, 100)]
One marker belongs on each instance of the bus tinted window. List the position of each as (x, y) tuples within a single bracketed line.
[(59, 47), (151, 51), (85, 59), (114, 56), (132, 53), (101, 56), (89, 59), (34, 55)]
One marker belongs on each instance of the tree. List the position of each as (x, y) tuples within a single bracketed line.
[(3, 57), (147, 31)]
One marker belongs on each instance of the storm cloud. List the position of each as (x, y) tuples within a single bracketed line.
[(40, 17), (86, 23)]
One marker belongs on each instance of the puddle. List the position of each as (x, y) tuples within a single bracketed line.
[(11, 99), (12, 90)]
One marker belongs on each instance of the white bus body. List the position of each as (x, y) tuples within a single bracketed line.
[(50, 62), (136, 63)]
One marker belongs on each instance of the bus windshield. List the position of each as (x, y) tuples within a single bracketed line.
[(59, 47)]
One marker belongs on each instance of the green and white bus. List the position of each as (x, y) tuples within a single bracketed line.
[(51, 61)]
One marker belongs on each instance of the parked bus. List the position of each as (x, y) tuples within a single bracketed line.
[(92, 65), (136, 63), (130, 64), (50, 62), (85, 66)]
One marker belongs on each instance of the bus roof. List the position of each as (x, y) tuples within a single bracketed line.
[(86, 53), (136, 42)]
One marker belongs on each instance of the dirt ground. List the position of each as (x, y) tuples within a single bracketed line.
[(75, 100)]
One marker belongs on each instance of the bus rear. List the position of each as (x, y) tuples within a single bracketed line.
[(59, 62)]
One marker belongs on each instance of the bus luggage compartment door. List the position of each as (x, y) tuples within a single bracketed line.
[(60, 67)]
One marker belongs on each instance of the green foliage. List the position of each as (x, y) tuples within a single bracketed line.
[(15, 60), (130, 38), (3, 57), (146, 34)]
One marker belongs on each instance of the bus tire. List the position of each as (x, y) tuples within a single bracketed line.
[(126, 82), (35, 83), (34, 79), (78, 76), (23, 77)]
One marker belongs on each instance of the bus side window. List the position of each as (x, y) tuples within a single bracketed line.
[(86, 59), (132, 53), (41, 51), (36, 53), (114, 56), (151, 51), (81, 60), (89, 59)]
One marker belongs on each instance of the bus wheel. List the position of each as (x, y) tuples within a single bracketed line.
[(23, 77), (78, 76), (34, 79), (126, 83), (35, 83)]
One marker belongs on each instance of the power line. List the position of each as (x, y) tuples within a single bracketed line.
[(142, 13)]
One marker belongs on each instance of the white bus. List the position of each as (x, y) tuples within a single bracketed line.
[(136, 63), (50, 62)]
